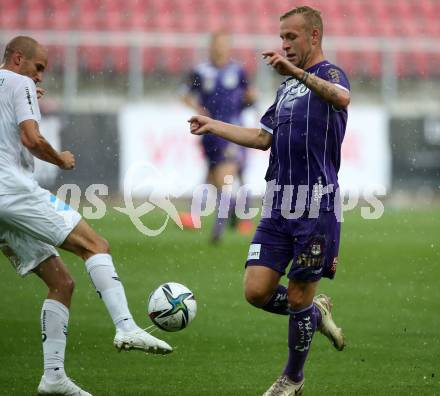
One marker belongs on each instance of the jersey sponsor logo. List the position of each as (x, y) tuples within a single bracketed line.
[(291, 92), (254, 251)]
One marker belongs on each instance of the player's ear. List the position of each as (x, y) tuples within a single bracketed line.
[(316, 36), (17, 58)]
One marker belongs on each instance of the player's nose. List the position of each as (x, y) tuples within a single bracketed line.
[(38, 77)]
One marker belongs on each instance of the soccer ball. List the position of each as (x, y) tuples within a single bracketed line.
[(172, 306)]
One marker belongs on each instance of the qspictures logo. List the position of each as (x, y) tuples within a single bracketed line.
[(144, 190)]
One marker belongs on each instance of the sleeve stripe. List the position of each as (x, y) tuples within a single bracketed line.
[(342, 87), (267, 129)]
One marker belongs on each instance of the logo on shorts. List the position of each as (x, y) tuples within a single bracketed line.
[(312, 255), (254, 251), (333, 267)]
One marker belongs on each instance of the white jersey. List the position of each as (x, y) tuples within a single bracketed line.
[(18, 102)]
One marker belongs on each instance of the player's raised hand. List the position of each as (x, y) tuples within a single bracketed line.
[(40, 92), (68, 160), (200, 125), (281, 64)]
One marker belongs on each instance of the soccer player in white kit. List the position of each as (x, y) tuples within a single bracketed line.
[(33, 222)]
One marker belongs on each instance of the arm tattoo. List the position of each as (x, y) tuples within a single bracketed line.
[(326, 90)]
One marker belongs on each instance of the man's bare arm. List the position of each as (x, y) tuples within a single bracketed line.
[(331, 93), (247, 137), (41, 148)]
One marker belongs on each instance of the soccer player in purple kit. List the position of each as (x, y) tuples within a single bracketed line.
[(220, 89), (304, 128)]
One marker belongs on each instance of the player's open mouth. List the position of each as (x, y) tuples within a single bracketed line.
[(291, 57)]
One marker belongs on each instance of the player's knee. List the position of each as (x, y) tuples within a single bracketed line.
[(98, 246), (255, 296), (296, 299)]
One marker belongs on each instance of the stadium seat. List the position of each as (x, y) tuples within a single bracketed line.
[(355, 18), (10, 17), (91, 58), (60, 15)]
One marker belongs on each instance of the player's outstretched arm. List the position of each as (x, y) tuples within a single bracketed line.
[(247, 137), (41, 148), (337, 97)]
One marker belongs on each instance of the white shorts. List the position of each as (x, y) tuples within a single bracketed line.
[(23, 251), (31, 225)]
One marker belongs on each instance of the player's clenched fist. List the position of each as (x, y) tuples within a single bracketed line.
[(68, 160), (199, 125)]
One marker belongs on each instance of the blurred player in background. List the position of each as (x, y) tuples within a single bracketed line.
[(220, 89), (304, 128), (32, 222)]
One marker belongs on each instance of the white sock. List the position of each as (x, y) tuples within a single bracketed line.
[(54, 320), (106, 281)]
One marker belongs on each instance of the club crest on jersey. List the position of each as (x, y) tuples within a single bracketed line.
[(334, 75)]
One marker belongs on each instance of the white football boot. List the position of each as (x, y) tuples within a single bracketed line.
[(64, 387), (328, 326), (284, 386), (141, 340)]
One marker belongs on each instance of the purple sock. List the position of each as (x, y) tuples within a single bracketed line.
[(318, 316), (302, 326), (278, 302)]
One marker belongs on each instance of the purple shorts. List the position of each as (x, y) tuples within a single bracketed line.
[(218, 150), (311, 244)]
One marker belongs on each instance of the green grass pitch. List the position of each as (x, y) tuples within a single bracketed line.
[(386, 295)]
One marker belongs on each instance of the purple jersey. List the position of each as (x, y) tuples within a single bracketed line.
[(306, 146), (220, 90)]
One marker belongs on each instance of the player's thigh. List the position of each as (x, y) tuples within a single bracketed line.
[(85, 241), (24, 251), (38, 214), (260, 282)]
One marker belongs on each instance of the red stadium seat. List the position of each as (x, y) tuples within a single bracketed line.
[(354, 18), (35, 15), (60, 15), (149, 60), (91, 58), (10, 17), (117, 59)]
